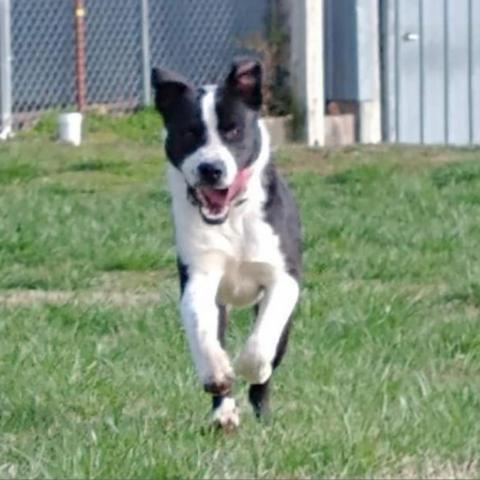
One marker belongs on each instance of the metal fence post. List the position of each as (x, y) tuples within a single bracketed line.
[(5, 71), (146, 67), (80, 70)]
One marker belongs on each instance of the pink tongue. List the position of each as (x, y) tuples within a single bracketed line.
[(238, 184), (219, 198)]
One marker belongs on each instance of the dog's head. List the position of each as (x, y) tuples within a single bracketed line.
[(213, 134)]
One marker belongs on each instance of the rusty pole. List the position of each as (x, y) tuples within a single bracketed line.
[(80, 77)]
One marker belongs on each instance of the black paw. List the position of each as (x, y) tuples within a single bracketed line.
[(219, 388)]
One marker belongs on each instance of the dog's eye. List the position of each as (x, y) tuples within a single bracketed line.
[(231, 133), (190, 134)]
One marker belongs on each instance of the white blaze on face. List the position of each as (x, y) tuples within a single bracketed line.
[(214, 149)]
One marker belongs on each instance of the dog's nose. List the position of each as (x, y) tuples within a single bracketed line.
[(210, 173)]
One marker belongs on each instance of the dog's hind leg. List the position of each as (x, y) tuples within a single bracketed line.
[(224, 410)]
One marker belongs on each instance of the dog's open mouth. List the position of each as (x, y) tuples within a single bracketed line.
[(215, 202)]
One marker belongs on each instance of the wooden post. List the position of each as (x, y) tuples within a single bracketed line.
[(315, 83)]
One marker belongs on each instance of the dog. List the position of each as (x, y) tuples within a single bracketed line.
[(237, 229)]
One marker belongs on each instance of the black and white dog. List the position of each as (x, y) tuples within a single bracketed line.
[(237, 229)]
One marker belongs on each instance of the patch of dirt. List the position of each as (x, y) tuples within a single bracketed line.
[(135, 280), (18, 297)]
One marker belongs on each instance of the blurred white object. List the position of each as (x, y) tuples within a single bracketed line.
[(6, 133), (70, 128)]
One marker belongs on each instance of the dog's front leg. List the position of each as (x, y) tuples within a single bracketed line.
[(256, 361), (200, 315)]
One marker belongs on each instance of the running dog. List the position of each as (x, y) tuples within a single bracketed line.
[(236, 227)]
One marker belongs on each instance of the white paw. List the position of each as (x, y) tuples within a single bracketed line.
[(216, 373), (254, 363), (227, 415)]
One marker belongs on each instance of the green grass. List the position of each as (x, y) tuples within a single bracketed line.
[(382, 377)]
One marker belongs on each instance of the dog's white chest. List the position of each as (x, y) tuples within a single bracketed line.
[(244, 250), (243, 283), (248, 253)]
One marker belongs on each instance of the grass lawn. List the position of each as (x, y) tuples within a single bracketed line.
[(382, 377)]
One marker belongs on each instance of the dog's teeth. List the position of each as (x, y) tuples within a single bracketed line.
[(212, 215)]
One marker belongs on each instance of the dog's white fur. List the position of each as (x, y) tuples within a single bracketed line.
[(238, 262), (213, 148)]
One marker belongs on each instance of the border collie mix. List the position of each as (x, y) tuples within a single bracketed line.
[(236, 226)]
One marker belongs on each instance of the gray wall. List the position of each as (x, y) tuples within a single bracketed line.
[(351, 62)]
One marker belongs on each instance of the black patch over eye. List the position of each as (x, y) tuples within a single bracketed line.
[(191, 134), (231, 132)]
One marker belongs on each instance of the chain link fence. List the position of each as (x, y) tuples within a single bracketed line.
[(123, 38), (42, 55)]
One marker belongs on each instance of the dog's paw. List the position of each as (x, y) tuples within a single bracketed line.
[(227, 416), (218, 375), (254, 364)]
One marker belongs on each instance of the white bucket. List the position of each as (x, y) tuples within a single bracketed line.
[(70, 128)]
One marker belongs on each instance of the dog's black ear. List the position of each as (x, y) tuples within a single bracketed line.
[(245, 81), (168, 87)]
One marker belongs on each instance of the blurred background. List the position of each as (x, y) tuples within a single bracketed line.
[(393, 70), (382, 378)]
